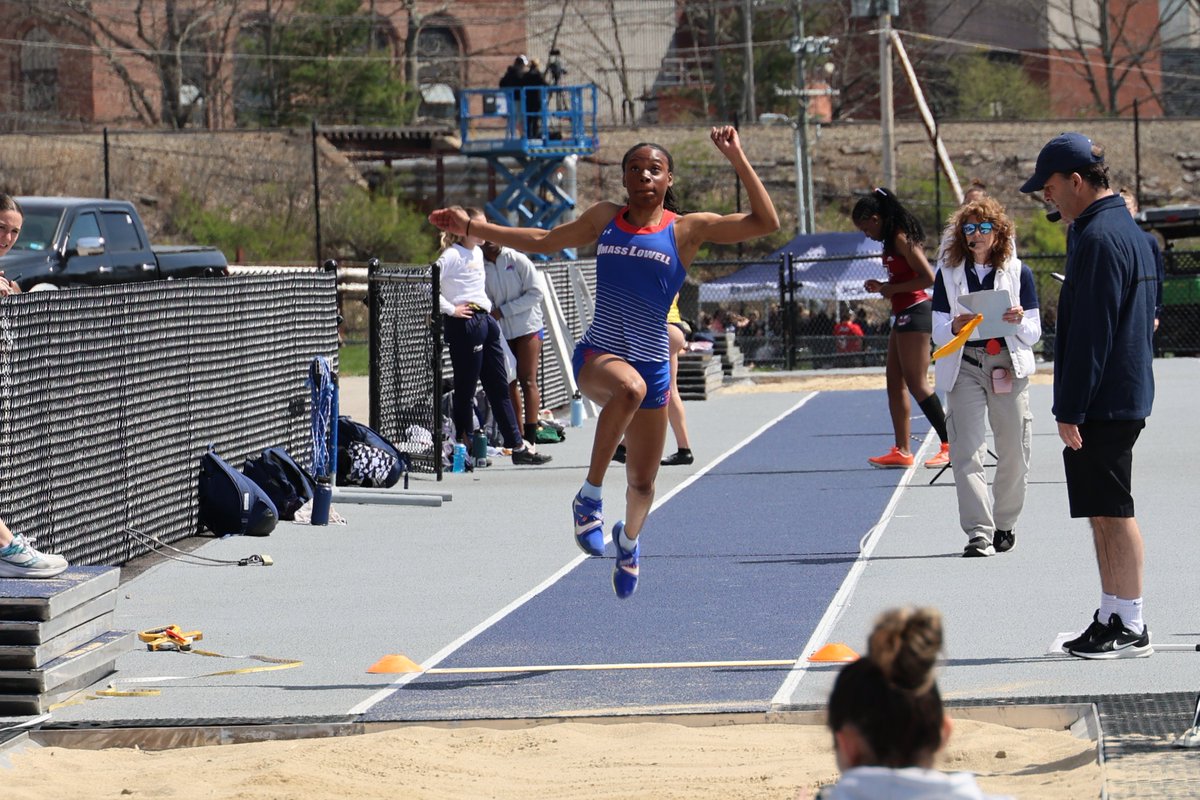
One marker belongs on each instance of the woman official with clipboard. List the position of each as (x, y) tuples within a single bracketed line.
[(989, 374)]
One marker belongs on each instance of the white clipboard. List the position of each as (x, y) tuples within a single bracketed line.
[(992, 303)]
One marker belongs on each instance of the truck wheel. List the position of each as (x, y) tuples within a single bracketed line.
[(44, 287)]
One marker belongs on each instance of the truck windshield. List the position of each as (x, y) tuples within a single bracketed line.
[(38, 229)]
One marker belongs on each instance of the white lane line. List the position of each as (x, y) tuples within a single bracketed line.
[(446, 651), (866, 546)]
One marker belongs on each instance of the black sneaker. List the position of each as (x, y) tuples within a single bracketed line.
[(979, 547), (1094, 631), (1117, 641), (527, 456), (678, 459), (1003, 541), (619, 455)]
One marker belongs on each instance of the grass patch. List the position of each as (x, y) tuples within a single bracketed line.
[(354, 359)]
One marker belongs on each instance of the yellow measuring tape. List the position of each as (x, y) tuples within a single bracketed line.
[(174, 638), (959, 340)]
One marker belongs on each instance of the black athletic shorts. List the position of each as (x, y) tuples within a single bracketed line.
[(917, 318), (1099, 473)]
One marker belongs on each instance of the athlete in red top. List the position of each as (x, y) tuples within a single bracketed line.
[(882, 218)]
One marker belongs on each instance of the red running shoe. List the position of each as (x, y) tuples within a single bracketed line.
[(893, 460)]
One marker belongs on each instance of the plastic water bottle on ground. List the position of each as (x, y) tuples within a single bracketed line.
[(459, 463), (577, 411)]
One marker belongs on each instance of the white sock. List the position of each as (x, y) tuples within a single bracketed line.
[(1131, 614), (1108, 607), (627, 544), (591, 492)]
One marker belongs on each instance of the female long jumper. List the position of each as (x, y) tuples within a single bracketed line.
[(622, 362)]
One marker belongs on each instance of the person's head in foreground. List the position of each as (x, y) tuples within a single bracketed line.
[(886, 715)]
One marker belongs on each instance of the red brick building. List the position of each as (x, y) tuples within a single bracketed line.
[(70, 71)]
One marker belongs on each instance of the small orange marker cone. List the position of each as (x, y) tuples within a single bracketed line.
[(834, 652), (393, 664)]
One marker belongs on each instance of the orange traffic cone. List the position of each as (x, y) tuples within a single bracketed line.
[(834, 652), (394, 664)]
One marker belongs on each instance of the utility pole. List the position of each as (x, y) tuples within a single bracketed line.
[(798, 49), (802, 48), (886, 121), (748, 26)]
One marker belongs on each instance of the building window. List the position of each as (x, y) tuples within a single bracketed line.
[(439, 57), (39, 72)]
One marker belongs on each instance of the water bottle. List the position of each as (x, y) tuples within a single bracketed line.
[(479, 448), (577, 411), (321, 500), (460, 458)]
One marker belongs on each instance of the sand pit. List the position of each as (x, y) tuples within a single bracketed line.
[(659, 760)]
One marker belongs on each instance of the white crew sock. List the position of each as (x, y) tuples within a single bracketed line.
[(591, 492), (1108, 607), (1131, 614)]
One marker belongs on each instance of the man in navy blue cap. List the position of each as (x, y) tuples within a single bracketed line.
[(1103, 382)]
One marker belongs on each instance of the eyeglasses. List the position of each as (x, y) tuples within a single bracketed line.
[(983, 227)]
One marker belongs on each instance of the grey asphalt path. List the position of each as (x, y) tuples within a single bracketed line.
[(1003, 613), (395, 580)]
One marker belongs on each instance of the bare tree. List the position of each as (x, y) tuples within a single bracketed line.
[(1112, 45), (177, 38)]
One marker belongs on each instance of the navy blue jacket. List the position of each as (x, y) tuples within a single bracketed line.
[(1104, 351)]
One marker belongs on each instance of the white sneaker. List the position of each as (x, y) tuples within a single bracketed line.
[(21, 560)]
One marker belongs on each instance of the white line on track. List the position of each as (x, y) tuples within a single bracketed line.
[(446, 651), (866, 546)]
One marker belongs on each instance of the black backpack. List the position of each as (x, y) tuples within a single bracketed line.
[(365, 458), (287, 483), (232, 503)]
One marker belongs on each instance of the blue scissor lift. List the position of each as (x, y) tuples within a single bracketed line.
[(491, 127)]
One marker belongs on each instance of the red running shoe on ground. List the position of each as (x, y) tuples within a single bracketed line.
[(893, 460), (942, 459)]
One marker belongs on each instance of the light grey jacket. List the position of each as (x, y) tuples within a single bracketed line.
[(515, 287)]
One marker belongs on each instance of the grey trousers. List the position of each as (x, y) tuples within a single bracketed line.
[(1008, 415)]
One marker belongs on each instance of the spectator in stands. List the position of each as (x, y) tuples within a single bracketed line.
[(513, 80), (1159, 266), (533, 82), (622, 362), (849, 338), (18, 558), (473, 338), (987, 380), (887, 719), (515, 289), (677, 331), (883, 218)]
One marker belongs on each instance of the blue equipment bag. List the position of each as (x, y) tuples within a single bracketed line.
[(365, 458), (232, 503), (287, 483)]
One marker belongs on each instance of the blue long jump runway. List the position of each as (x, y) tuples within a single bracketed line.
[(738, 565)]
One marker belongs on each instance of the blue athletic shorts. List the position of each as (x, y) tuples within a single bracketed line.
[(656, 374)]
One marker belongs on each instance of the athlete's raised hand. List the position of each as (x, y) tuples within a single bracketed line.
[(725, 137), (450, 219)]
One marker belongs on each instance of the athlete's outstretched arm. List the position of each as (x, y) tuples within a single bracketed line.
[(578, 232), (762, 218)]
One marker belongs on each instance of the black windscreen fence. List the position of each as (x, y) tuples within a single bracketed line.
[(406, 360), (109, 396)]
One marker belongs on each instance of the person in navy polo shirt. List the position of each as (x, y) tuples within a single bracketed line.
[(1103, 381)]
